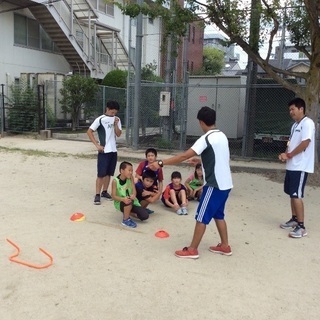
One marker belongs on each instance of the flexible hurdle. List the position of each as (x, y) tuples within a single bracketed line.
[(31, 265)]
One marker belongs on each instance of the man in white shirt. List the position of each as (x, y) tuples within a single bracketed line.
[(299, 158), (213, 148), (108, 127)]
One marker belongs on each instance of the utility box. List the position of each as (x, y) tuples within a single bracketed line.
[(164, 110), (226, 95)]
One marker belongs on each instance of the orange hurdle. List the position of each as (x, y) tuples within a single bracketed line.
[(31, 265)]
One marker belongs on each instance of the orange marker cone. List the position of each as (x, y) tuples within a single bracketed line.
[(162, 234), (77, 217)]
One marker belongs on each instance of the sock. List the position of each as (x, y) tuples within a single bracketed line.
[(301, 225), (294, 218)]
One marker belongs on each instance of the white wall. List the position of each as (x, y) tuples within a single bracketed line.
[(15, 59)]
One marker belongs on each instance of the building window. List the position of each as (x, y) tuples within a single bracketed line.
[(102, 6), (110, 9), (29, 33), (193, 33), (191, 66)]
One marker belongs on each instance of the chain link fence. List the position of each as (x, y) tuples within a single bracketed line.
[(258, 127)]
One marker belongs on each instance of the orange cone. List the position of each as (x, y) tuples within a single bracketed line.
[(162, 234), (77, 217)]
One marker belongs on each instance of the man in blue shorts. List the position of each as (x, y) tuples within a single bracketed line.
[(299, 158), (108, 127), (213, 148)]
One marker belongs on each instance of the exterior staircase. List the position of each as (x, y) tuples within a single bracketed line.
[(90, 47)]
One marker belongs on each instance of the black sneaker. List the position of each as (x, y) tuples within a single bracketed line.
[(105, 194), (97, 199)]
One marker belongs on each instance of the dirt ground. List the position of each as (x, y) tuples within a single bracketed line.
[(103, 271)]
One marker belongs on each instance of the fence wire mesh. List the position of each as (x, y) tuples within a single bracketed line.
[(258, 127)]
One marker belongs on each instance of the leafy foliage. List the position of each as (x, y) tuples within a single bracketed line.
[(23, 115), (213, 61), (116, 78), (77, 92)]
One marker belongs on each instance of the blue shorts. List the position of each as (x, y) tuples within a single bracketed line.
[(107, 163), (211, 204), (294, 183)]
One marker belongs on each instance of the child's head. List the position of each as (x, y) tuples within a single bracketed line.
[(198, 171), (112, 108), (151, 154), (176, 177), (148, 178), (126, 169)]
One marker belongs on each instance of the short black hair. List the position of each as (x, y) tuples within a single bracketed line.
[(124, 164), (207, 115), (299, 103), (113, 105), (176, 174), (151, 150), (149, 174)]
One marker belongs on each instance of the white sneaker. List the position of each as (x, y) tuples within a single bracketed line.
[(179, 212), (298, 232), (184, 210)]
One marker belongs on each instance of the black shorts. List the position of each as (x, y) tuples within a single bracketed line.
[(294, 183), (106, 164)]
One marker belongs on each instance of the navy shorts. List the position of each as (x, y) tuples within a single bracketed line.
[(211, 204), (294, 183), (107, 163)]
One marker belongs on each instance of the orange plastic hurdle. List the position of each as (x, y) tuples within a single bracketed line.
[(31, 265)]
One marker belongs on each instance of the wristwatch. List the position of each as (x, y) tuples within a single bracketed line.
[(160, 163)]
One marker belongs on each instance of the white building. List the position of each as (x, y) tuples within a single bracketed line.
[(61, 36)]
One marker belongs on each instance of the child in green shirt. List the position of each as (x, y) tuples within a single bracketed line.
[(124, 196)]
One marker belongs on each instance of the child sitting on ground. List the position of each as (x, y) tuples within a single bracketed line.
[(147, 192), (151, 156), (124, 196), (194, 183), (174, 195)]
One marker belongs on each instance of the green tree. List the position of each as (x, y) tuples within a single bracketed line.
[(213, 60), (78, 93), (116, 78), (299, 17)]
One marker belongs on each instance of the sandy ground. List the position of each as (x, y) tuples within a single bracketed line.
[(104, 271)]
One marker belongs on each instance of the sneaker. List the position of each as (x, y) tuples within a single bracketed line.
[(289, 224), (149, 211), (96, 199), (129, 223), (179, 211), (222, 250), (298, 232), (187, 253), (184, 210), (105, 194)]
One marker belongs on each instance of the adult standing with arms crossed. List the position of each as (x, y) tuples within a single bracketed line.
[(108, 127), (213, 148), (299, 158)]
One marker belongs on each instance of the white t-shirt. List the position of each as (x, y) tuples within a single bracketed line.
[(215, 157), (301, 131), (104, 125)]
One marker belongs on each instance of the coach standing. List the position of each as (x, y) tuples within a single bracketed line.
[(299, 158)]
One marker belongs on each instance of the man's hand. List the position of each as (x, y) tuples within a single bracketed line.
[(154, 166), (283, 157)]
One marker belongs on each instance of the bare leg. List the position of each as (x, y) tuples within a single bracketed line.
[(127, 212), (198, 233), (99, 183), (106, 182), (297, 209), (223, 232)]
